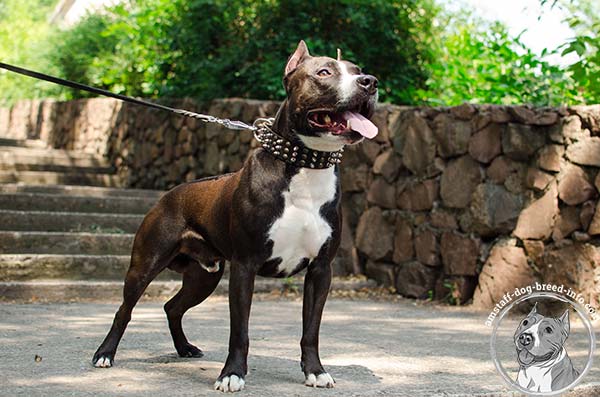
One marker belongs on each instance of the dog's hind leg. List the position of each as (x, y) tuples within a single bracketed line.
[(198, 284), (135, 285), (152, 252)]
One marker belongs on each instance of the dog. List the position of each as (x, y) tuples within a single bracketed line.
[(276, 216), (544, 364)]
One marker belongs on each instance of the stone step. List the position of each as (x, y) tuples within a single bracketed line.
[(65, 243), (65, 290), (49, 152), (26, 143), (58, 178), (69, 221), (26, 161), (62, 202), (78, 190), (31, 267)]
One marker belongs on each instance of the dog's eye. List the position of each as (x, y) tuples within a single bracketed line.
[(549, 330), (324, 73)]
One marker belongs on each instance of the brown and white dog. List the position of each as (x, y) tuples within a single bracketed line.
[(544, 364), (275, 217)]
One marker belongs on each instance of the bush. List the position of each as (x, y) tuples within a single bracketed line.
[(480, 63), (224, 48), (22, 24)]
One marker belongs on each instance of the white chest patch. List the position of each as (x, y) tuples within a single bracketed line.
[(539, 377), (300, 231)]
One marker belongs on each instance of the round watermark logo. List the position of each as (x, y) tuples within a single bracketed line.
[(542, 342)]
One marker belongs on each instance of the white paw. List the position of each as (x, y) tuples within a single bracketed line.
[(230, 384), (321, 380), (103, 362)]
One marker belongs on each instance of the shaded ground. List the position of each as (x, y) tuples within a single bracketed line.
[(372, 348)]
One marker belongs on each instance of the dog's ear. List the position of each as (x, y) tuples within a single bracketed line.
[(564, 321), (297, 57), (534, 310)]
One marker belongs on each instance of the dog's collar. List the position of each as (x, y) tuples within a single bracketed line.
[(295, 153)]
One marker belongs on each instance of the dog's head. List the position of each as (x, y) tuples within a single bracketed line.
[(329, 101), (539, 338)]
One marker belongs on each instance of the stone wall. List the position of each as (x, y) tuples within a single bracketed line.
[(454, 203)]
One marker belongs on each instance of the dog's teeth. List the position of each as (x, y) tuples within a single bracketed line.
[(327, 119), (348, 124)]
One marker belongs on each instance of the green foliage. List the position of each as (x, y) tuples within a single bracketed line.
[(208, 49), (483, 64), (22, 23), (584, 19), (219, 48)]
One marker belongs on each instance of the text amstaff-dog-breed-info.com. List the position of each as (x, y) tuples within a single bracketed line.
[(531, 351)]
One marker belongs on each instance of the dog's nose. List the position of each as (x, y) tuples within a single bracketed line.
[(368, 82), (525, 339)]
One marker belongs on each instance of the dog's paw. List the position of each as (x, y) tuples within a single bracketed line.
[(190, 350), (103, 361), (230, 383), (321, 380)]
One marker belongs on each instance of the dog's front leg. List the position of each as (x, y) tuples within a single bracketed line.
[(241, 287), (316, 288)]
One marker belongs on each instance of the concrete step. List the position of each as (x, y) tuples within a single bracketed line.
[(69, 221), (58, 178), (49, 152), (65, 290), (61, 202), (65, 243), (52, 167), (27, 143), (9, 160), (31, 267), (77, 190)]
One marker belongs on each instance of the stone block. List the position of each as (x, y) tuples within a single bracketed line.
[(459, 180), (586, 151), (459, 254), (419, 196), (574, 185), (537, 220), (375, 234), (520, 142), (505, 269), (415, 280), (451, 135)]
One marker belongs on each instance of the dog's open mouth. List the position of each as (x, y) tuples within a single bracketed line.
[(525, 356), (340, 123)]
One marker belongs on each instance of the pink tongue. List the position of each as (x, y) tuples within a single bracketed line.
[(361, 124)]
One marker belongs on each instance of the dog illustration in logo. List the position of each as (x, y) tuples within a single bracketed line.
[(544, 364)]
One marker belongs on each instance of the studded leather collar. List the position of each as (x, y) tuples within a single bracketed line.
[(296, 153)]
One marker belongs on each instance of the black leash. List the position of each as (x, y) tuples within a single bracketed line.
[(294, 153), (234, 125)]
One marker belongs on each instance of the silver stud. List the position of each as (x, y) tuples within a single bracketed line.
[(286, 150), (312, 165), (276, 153), (296, 148), (301, 162), (285, 156), (287, 143), (294, 154)]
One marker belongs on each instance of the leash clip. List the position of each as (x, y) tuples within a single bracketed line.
[(260, 126)]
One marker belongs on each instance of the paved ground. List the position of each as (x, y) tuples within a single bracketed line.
[(371, 349)]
